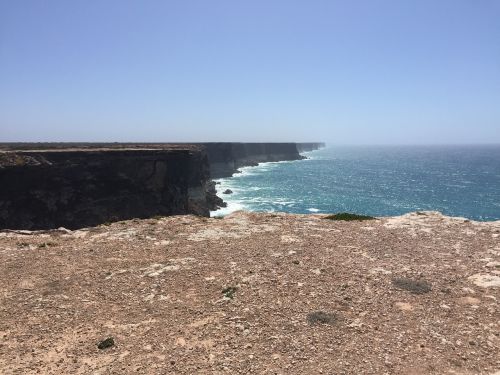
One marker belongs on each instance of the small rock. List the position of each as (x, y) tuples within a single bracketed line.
[(228, 191), (485, 280), (404, 306), (469, 301)]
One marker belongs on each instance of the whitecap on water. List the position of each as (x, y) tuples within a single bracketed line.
[(313, 209), (231, 207)]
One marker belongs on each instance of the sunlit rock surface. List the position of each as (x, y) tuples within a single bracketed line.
[(253, 293)]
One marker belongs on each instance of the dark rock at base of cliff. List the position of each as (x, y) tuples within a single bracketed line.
[(213, 201), (228, 191)]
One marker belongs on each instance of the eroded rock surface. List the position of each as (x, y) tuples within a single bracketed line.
[(252, 293), (75, 188)]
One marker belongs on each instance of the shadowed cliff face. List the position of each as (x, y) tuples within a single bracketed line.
[(73, 189)]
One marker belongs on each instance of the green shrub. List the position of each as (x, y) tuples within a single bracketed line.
[(229, 292), (346, 216)]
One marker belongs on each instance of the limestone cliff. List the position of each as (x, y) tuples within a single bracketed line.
[(78, 188)]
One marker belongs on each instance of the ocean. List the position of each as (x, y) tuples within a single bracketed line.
[(373, 180)]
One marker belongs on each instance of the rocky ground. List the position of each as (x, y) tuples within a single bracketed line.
[(253, 293)]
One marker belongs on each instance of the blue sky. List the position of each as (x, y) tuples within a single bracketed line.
[(370, 72)]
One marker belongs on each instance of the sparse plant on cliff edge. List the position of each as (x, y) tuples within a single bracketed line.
[(47, 244), (229, 292), (107, 343), (321, 317), (346, 216), (413, 286)]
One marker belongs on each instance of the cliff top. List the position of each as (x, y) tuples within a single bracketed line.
[(104, 146), (26, 156), (67, 147), (253, 293)]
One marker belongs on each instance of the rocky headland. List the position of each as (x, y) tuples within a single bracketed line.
[(253, 293)]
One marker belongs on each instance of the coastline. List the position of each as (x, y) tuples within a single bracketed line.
[(228, 183), (376, 181), (74, 185), (234, 205)]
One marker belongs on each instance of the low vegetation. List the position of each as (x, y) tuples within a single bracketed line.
[(413, 286), (321, 317), (229, 292), (107, 343), (346, 216), (47, 244)]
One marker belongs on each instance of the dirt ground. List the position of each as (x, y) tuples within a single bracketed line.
[(253, 293)]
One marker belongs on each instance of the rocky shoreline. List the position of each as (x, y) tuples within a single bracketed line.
[(45, 186), (253, 293)]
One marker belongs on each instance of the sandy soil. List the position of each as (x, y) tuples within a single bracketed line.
[(253, 293)]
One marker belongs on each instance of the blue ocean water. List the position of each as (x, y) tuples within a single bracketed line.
[(379, 181)]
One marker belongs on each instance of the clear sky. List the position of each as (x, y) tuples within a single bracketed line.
[(373, 71)]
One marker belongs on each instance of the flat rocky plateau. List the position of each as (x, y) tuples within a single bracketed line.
[(253, 293)]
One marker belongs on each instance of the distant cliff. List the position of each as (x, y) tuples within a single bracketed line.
[(226, 158), (46, 186), (311, 146)]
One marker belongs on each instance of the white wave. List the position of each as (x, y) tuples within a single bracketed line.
[(313, 210), (282, 202), (231, 207), (258, 200)]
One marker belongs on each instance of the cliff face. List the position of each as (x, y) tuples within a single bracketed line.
[(80, 185), (311, 146), (77, 188), (226, 158)]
